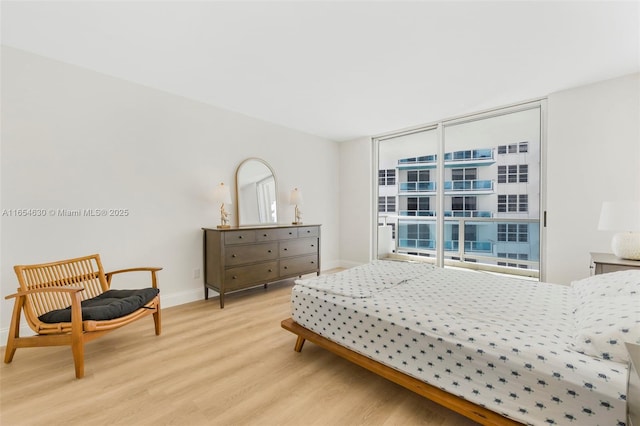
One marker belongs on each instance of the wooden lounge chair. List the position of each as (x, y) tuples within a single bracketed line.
[(69, 302)]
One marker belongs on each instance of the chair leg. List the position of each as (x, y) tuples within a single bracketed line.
[(14, 330), (77, 336), (77, 348), (157, 320)]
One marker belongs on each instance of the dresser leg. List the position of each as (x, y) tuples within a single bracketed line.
[(221, 300), (206, 293)]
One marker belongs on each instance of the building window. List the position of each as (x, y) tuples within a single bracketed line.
[(514, 148), (418, 176), (513, 232), (513, 174), (387, 177), (513, 203), (523, 170), (463, 203), (386, 204), (514, 256), (416, 204), (470, 233), (464, 174)]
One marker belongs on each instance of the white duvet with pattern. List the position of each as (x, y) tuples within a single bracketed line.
[(499, 342)]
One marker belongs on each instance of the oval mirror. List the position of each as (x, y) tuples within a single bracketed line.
[(256, 193)]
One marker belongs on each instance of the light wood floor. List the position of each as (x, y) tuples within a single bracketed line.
[(234, 366)]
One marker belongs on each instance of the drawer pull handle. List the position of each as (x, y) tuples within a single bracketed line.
[(312, 245), (285, 249), (270, 270), (308, 232), (290, 233), (312, 262), (264, 235), (234, 277), (233, 255), (286, 267), (268, 251), (240, 237)]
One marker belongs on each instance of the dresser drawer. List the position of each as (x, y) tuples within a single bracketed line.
[(267, 234), (298, 265), (287, 233), (240, 277), (308, 231), (240, 254), (239, 237), (298, 247)]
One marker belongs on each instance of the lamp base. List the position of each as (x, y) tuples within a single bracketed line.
[(224, 226), (296, 223), (626, 245)]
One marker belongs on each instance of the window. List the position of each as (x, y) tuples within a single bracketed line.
[(418, 176), (470, 233), (387, 177), (524, 173), (386, 204), (513, 148), (463, 203), (513, 232), (519, 256), (464, 174), (513, 203), (513, 173), (417, 204), (489, 219)]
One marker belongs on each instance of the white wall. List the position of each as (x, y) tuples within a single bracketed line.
[(593, 155), (76, 139), (355, 201)]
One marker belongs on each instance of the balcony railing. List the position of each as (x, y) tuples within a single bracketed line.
[(449, 186), (418, 186), (447, 213), (485, 253), (467, 155), (468, 185)]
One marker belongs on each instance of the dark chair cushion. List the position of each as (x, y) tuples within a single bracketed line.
[(109, 305)]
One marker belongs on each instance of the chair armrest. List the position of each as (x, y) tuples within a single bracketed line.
[(45, 290), (153, 270)]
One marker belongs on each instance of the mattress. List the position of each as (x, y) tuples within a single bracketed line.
[(499, 342)]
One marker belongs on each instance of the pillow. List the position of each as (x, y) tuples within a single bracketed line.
[(611, 284), (109, 305), (607, 314)]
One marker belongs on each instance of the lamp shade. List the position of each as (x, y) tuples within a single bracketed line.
[(620, 216), (222, 194), (296, 197)]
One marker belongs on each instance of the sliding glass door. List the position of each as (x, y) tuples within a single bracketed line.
[(464, 192)]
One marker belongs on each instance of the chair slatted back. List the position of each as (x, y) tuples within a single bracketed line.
[(86, 272)]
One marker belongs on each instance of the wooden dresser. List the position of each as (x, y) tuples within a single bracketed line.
[(241, 257)]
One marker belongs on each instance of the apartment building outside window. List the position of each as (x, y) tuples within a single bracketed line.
[(489, 183)]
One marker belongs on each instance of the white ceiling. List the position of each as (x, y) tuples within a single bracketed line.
[(344, 69)]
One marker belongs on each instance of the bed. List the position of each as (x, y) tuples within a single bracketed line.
[(498, 350)]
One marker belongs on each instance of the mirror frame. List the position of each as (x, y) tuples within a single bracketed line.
[(275, 183)]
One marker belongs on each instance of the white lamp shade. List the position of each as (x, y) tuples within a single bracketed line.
[(222, 194), (296, 197), (620, 216)]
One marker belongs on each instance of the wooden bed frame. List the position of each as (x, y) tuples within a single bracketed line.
[(462, 406)]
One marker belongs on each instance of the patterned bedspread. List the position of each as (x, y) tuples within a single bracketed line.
[(499, 342)]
